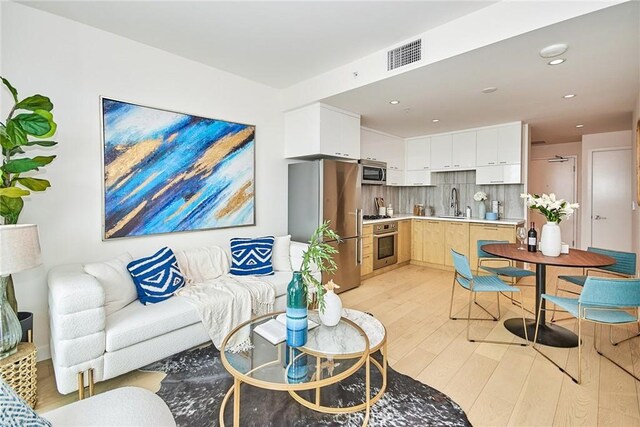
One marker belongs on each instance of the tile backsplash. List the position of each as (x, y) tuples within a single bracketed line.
[(438, 195)]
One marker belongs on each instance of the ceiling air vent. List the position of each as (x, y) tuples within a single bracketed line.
[(403, 55)]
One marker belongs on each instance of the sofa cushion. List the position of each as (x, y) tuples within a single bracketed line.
[(119, 289), (157, 277), (203, 264), (281, 253), (252, 256), (136, 322), (280, 280)]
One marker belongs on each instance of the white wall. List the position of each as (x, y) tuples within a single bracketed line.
[(635, 216), (590, 143), (74, 64)]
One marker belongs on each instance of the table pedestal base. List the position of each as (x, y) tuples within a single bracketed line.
[(550, 335)]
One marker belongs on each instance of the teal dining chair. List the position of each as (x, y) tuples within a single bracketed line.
[(480, 284), (625, 267), (509, 271), (603, 301)]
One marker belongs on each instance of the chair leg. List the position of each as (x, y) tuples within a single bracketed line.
[(453, 288), (535, 347), (491, 341), (595, 345), (614, 343)]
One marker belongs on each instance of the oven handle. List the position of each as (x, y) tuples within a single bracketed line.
[(386, 234)]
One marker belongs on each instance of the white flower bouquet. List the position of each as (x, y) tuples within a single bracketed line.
[(553, 209), (480, 196)]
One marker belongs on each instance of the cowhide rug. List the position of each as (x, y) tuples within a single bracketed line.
[(196, 383)]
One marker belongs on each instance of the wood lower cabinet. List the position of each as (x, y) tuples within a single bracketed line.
[(456, 237), (367, 250), (433, 242), (417, 239), (488, 232), (404, 240)]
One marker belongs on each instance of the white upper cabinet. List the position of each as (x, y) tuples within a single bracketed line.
[(500, 145), (395, 178), (510, 144), (463, 151), (418, 154), (383, 148), (499, 174), (441, 147), (417, 178), (487, 147), (322, 130)]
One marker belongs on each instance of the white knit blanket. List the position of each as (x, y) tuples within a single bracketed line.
[(226, 302)]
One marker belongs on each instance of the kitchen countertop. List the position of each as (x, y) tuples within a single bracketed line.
[(503, 221)]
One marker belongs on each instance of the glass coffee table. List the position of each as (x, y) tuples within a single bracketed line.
[(331, 355)]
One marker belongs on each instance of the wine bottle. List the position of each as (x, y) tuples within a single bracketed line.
[(532, 245)]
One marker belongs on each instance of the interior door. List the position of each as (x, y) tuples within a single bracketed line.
[(611, 199), (341, 196), (559, 177)]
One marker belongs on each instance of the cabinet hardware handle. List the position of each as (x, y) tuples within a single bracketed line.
[(496, 182), (347, 155), (417, 183), (502, 163), (426, 167), (447, 166), (456, 166), (492, 163), (339, 154)]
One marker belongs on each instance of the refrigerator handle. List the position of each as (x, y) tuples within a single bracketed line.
[(359, 251), (358, 222)]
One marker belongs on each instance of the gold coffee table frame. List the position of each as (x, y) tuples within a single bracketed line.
[(364, 359)]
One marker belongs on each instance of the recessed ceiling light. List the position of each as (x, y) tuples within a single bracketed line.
[(435, 120), (394, 102), (569, 96), (579, 126), (489, 89), (557, 61), (553, 50)]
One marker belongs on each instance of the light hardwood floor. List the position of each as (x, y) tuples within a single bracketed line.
[(495, 384)]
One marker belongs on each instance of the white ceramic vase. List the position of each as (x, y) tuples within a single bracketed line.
[(551, 239), (482, 209), (332, 309)]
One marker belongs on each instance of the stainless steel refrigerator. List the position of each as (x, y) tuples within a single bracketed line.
[(329, 190)]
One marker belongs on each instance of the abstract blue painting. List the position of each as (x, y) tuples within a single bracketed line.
[(166, 172)]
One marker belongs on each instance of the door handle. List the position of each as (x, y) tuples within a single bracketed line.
[(597, 217)]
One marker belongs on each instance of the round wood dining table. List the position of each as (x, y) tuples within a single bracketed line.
[(548, 334)]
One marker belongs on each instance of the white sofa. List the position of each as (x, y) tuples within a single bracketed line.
[(84, 337)]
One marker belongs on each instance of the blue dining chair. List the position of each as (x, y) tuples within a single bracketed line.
[(625, 267), (603, 301), (509, 271), (480, 284)]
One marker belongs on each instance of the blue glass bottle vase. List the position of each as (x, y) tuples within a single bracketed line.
[(296, 311)]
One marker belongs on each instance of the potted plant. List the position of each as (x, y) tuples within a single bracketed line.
[(304, 289), (554, 210), (29, 123)]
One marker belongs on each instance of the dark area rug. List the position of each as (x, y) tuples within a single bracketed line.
[(196, 383)]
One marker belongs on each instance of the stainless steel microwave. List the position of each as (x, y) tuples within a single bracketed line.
[(373, 172)]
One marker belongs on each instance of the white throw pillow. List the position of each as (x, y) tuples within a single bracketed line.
[(203, 264), (281, 259), (119, 289)]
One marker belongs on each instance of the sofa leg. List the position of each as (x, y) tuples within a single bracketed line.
[(81, 383)]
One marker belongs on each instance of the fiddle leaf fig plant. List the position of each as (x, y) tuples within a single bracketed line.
[(29, 123), (319, 257)]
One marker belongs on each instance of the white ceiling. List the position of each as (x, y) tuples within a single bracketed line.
[(602, 69), (278, 43)]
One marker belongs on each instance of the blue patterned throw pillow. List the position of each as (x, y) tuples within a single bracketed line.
[(14, 412), (157, 277), (252, 257)]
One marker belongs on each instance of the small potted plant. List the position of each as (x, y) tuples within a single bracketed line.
[(554, 210), (29, 123), (304, 289)]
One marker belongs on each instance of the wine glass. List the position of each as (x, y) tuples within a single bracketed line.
[(521, 232)]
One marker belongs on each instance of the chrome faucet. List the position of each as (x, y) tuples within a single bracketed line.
[(455, 208)]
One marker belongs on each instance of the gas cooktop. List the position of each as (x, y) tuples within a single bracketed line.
[(375, 217)]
